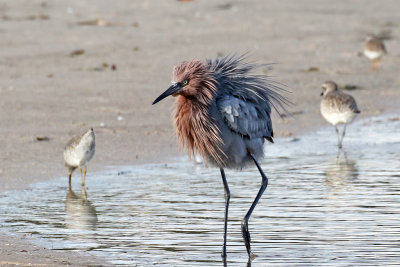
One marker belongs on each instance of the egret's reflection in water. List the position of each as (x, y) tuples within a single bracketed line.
[(318, 210)]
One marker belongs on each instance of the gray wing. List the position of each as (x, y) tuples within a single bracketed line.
[(344, 102), (351, 103), (73, 142), (246, 118)]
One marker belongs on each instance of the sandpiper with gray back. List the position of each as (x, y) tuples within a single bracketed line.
[(337, 107), (78, 152), (374, 49)]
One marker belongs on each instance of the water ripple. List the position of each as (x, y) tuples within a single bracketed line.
[(319, 209)]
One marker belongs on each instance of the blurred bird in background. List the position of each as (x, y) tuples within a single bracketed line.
[(374, 49)]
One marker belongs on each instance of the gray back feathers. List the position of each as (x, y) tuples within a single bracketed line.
[(375, 44), (237, 78), (244, 98), (244, 118), (340, 102), (73, 142)]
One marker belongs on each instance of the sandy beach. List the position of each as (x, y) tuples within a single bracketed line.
[(66, 66)]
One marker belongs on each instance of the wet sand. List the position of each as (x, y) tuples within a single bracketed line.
[(67, 66)]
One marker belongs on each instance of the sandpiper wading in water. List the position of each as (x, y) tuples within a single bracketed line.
[(337, 107), (78, 152)]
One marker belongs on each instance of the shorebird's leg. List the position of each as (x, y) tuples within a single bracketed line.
[(345, 156), (80, 170), (375, 64), (245, 221), (83, 193), (338, 138), (344, 132), (227, 198), (69, 177), (338, 156), (84, 176)]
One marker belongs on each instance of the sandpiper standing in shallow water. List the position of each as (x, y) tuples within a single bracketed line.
[(78, 152), (337, 107), (374, 49)]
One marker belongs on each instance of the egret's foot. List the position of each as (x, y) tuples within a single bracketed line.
[(224, 261), (252, 256), (223, 253), (250, 259), (246, 235)]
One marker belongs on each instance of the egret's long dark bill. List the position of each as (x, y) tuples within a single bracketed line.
[(170, 91)]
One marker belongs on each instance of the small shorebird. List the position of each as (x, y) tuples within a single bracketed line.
[(78, 152), (374, 49), (337, 107), (223, 113)]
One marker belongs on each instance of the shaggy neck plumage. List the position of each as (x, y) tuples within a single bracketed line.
[(196, 129)]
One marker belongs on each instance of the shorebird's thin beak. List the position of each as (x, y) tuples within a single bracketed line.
[(173, 89)]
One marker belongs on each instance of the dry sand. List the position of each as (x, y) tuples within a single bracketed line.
[(57, 76)]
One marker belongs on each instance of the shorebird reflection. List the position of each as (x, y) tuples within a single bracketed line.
[(341, 170), (81, 214)]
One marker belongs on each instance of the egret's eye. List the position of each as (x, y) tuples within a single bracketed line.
[(184, 83)]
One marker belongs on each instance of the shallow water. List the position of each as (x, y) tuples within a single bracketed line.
[(318, 209)]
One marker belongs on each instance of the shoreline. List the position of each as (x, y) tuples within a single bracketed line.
[(182, 156)]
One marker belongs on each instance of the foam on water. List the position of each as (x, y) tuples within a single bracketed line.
[(318, 209)]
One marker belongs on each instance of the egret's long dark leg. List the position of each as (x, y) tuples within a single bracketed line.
[(227, 197), (245, 221)]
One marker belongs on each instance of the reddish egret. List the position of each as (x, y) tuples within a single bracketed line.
[(223, 113), (337, 107), (78, 152), (374, 49)]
